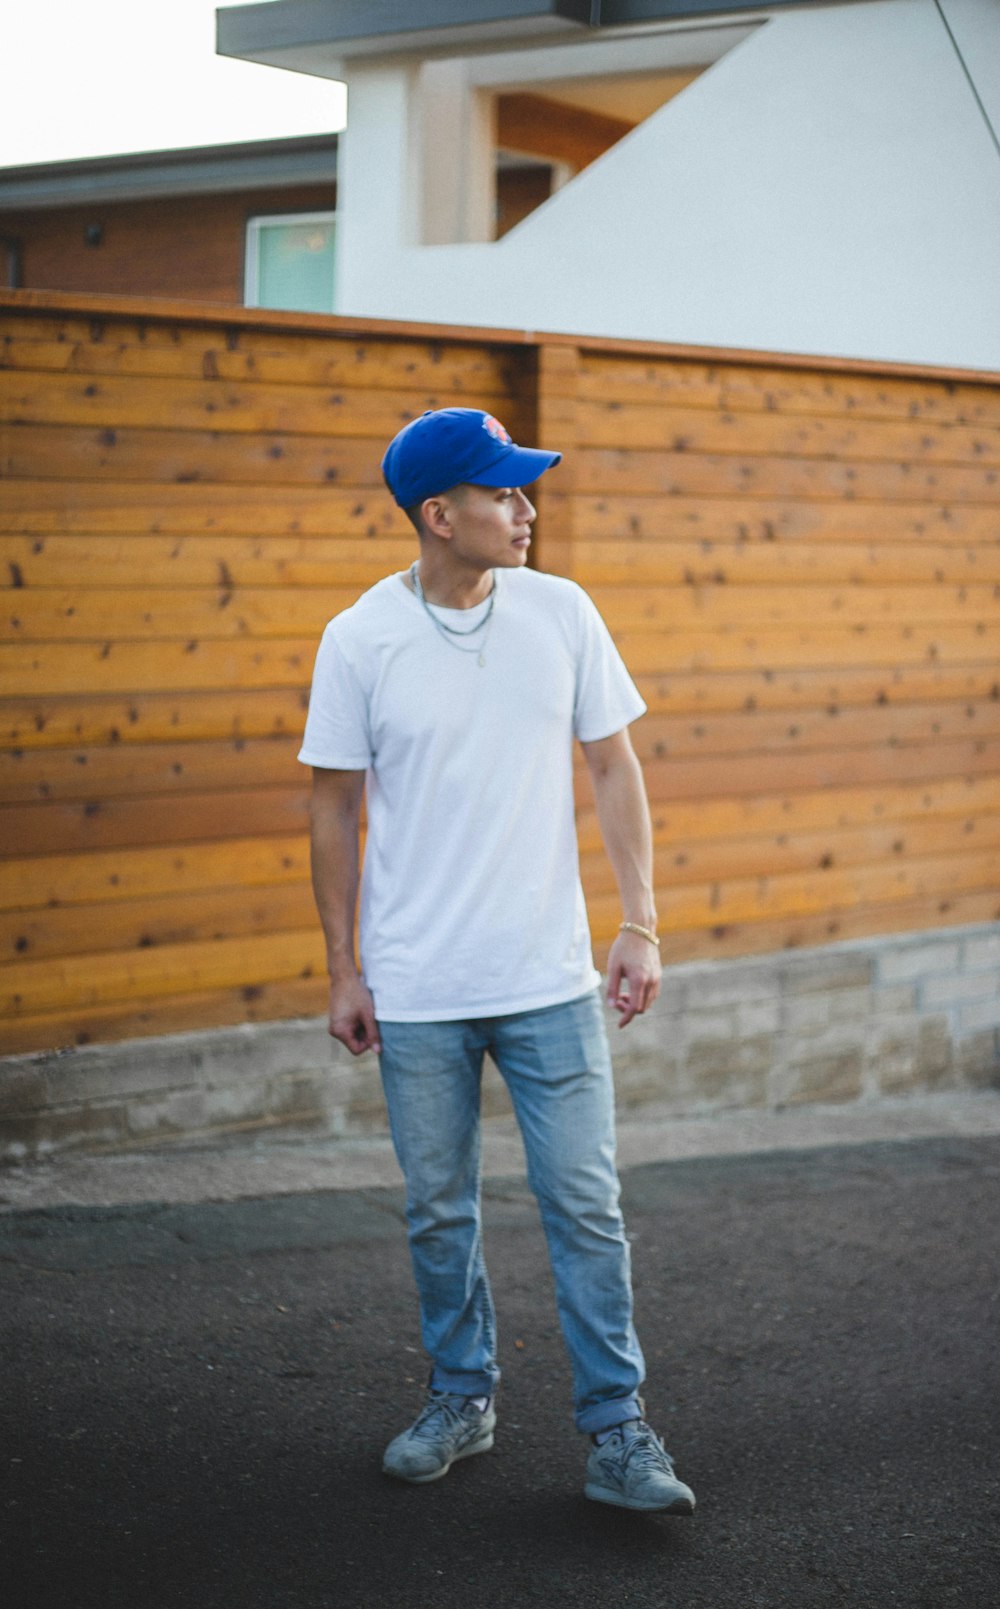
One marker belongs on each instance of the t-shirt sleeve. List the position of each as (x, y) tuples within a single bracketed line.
[(607, 698), (338, 732)]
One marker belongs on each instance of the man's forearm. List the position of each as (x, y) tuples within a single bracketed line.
[(623, 815), (334, 859), (336, 820)]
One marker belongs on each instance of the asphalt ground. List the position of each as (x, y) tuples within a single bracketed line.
[(196, 1396)]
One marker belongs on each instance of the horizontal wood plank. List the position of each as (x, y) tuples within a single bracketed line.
[(682, 822), (720, 514), (86, 720), (812, 647), (676, 766), (109, 719), (63, 615), (55, 827), (607, 423), (801, 894), (716, 603), (139, 769), (755, 732), (144, 560), (111, 667), (63, 881), (714, 776), (879, 844), (822, 691), (171, 919), (95, 614), (61, 505), (126, 453), (728, 940), (738, 564), (727, 387), (677, 472), (113, 401), (55, 507), (75, 346), (152, 562), (72, 452), (69, 982), (263, 1000), (100, 778), (202, 664)]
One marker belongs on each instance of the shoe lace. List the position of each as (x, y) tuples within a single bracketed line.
[(427, 1425), (645, 1450)]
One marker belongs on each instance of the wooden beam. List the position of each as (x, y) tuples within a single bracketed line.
[(150, 311), (536, 125)]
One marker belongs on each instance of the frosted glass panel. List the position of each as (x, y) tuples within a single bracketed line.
[(295, 265)]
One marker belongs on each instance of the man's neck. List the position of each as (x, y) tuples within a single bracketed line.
[(452, 587)]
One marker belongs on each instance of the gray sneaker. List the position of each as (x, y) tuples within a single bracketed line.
[(448, 1428), (632, 1470)]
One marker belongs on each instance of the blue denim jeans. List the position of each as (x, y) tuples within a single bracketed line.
[(556, 1065)]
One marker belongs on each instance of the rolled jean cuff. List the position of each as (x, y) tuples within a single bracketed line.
[(606, 1415), (465, 1383)]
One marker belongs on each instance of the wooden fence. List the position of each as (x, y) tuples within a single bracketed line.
[(800, 560)]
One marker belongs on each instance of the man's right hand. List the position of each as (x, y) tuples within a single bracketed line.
[(352, 1014)]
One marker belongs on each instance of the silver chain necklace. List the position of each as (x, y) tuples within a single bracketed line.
[(449, 632)]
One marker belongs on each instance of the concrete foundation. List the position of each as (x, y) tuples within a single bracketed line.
[(851, 1022)]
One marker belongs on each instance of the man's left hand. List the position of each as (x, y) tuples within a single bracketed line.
[(633, 976)]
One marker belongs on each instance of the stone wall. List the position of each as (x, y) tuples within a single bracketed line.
[(856, 1021), (872, 1018)]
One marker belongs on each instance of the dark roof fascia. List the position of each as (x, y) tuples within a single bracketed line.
[(146, 175), (390, 27), (619, 13), (286, 31)]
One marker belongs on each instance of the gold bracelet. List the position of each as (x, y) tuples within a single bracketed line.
[(643, 932)]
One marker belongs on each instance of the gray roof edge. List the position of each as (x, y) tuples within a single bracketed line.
[(244, 30), (255, 32), (258, 164), (621, 13)]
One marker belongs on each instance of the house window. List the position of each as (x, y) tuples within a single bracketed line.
[(290, 261)]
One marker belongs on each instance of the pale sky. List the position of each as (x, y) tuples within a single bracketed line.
[(100, 77)]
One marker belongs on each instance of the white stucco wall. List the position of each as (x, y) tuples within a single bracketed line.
[(975, 26), (829, 186)]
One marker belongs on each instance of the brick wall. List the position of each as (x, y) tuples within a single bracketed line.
[(190, 246)]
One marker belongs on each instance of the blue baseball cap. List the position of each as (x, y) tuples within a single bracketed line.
[(448, 447)]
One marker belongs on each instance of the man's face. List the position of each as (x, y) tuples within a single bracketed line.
[(490, 526)]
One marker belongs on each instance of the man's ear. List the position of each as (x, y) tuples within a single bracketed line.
[(434, 515)]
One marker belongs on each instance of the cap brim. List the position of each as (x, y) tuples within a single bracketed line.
[(518, 467)]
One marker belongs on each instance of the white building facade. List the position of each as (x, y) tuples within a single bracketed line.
[(826, 180)]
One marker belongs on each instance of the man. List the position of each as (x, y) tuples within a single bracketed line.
[(452, 694)]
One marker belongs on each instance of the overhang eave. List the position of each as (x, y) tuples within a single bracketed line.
[(324, 37), (314, 36), (157, 175)]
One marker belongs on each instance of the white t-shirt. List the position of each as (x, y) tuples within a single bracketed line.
[(471, 904)]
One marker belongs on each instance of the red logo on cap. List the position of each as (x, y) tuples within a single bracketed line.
[(496, 430)]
